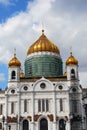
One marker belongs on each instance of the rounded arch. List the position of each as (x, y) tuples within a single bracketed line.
[(74, 89), (25, 124), (13, 74), (11, 88), (43, 124), (22, 86), (72, 73), (43, 117), (57, 86), (42, 80)]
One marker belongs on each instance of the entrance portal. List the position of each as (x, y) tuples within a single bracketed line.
[(43, 124), (62, 124), (25, 125)]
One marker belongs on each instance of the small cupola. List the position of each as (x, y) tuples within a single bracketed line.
[(71, 60), (72, 67), (14, 61), (22, 74), (14, 69)]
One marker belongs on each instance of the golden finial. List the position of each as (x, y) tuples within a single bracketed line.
[(42, 31), (42, 28), (71, 50), (14, 52)]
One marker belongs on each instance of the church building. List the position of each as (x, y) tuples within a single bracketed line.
[(43, 97)]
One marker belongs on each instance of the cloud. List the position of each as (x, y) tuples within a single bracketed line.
[(83, 79), (2, 77), (64, 23)]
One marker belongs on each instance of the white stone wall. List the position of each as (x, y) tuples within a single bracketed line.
[(35, 92)]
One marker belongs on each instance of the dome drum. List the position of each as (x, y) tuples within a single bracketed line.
[(44, 65)]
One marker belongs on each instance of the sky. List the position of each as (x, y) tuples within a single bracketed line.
[(64, 22)]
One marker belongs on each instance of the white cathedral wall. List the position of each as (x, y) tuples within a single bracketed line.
[(13, 126), (69, 68), (29, 105), (12, 98), (17, 70), (65, 111), (2, 101), (45, 94), (50, 92)]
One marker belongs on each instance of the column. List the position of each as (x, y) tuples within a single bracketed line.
[(19, 111), (32, 114), (6, 111), (54, 110)]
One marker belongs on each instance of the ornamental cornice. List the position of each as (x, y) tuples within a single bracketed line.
[(42, 53)]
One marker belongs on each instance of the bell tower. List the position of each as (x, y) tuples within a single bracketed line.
[(14, 69), (72, 67)]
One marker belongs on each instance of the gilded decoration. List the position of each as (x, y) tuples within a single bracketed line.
[(36, 117), (50, 116), (65, 117), (11, 119), (22, 75), (14, 61), (21, 118), (71, 60), (30, 118), (43, 44)]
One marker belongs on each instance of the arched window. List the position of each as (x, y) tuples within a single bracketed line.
[(47, 105), (39, 105), (25, 105), (61, 104), (43, 124), (12, 107), (25, 125), (13, 75), (62, 124), (72, 73), (43, 105), (1, 109)]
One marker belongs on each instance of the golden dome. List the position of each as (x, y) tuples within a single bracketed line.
[(14, 61), (22, 75), (71, 60), (43, 44), (65, 73)]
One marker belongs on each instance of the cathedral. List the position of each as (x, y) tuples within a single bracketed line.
[(43, 97)]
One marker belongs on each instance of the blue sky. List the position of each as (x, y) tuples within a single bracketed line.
[(9, 9), (65, 23), (4, 75)]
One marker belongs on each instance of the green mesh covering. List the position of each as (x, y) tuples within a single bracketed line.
[(44, 65)]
